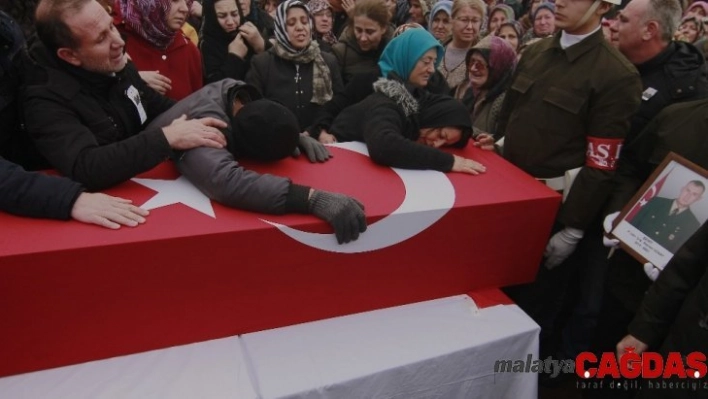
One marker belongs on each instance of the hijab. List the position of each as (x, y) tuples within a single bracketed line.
[(148, 19), (210, 24), (501, 61), (506, 9), (321, 76), (442, 5), (316, 6), (402, 53)]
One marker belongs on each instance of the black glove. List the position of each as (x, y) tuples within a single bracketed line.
[(344, 214), (315, 151)]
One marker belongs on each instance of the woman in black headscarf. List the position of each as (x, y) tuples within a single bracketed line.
[(227, 45)]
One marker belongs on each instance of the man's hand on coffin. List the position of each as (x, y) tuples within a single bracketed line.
[(343, 213), (107, 211)]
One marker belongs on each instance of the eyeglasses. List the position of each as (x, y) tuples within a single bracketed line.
[(467, 21), (478, 65)]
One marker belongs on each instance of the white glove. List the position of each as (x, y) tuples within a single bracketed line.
[(561, 245), (651, 271), (607, 225)]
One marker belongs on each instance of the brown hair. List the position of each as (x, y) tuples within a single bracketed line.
[(375, 10), (51, 27), (476, 5)]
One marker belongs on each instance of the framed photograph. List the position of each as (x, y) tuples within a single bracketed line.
[(665, 212)]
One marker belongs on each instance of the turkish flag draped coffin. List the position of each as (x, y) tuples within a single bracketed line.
[(71, 292)]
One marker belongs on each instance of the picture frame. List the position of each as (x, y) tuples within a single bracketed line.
[(668, 209)]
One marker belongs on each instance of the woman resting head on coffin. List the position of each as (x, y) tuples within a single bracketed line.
[(402, 125)]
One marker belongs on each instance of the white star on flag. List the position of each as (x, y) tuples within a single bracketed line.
[(180, 191)]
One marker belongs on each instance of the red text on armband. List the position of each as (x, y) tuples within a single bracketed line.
[(603, 152)]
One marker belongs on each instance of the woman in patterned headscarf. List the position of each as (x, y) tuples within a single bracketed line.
[(155, 43), (323, 23), (512, 32), (690, 30), (419, 11), (294, 72)]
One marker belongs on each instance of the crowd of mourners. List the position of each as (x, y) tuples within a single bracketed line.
[(602, 90)]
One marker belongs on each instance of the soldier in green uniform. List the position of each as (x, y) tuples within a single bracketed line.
[(668, 221), (569, 106)]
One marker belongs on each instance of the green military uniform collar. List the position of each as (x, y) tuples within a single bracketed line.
[(575, 51)]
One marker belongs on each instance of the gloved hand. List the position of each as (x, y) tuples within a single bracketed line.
[(561, 245), (651, 271), (607, 226), (343, 213), (315, 151)]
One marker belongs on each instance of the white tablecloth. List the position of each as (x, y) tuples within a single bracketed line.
[(437, 349), (444, 348), (212, 369)]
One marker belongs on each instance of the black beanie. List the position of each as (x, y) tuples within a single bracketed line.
[(445, 111), (264, 130)]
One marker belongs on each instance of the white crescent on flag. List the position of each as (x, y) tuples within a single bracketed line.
[(429, 196)]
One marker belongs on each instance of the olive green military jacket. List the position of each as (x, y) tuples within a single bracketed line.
[(567, 109)]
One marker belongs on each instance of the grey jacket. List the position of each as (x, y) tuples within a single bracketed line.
[(215, 172)]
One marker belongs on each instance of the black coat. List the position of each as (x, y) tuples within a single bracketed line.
[(85, 124), (275, 78), (681, 128), (217, 62), (390, 129), (674, 313), (678, 74), (34, 194), (360, 87), (352, 59)]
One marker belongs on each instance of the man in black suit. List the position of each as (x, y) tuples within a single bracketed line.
[(668, 221)]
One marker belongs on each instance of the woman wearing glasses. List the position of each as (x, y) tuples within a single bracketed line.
[(467, 19), (490, 64)]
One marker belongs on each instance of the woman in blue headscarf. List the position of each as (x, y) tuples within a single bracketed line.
[(414, 42), (403, 125)]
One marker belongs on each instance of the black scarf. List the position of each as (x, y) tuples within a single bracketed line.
[(211, 30)]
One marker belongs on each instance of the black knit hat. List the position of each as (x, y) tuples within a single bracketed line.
[(264, 130), (445, 111)]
